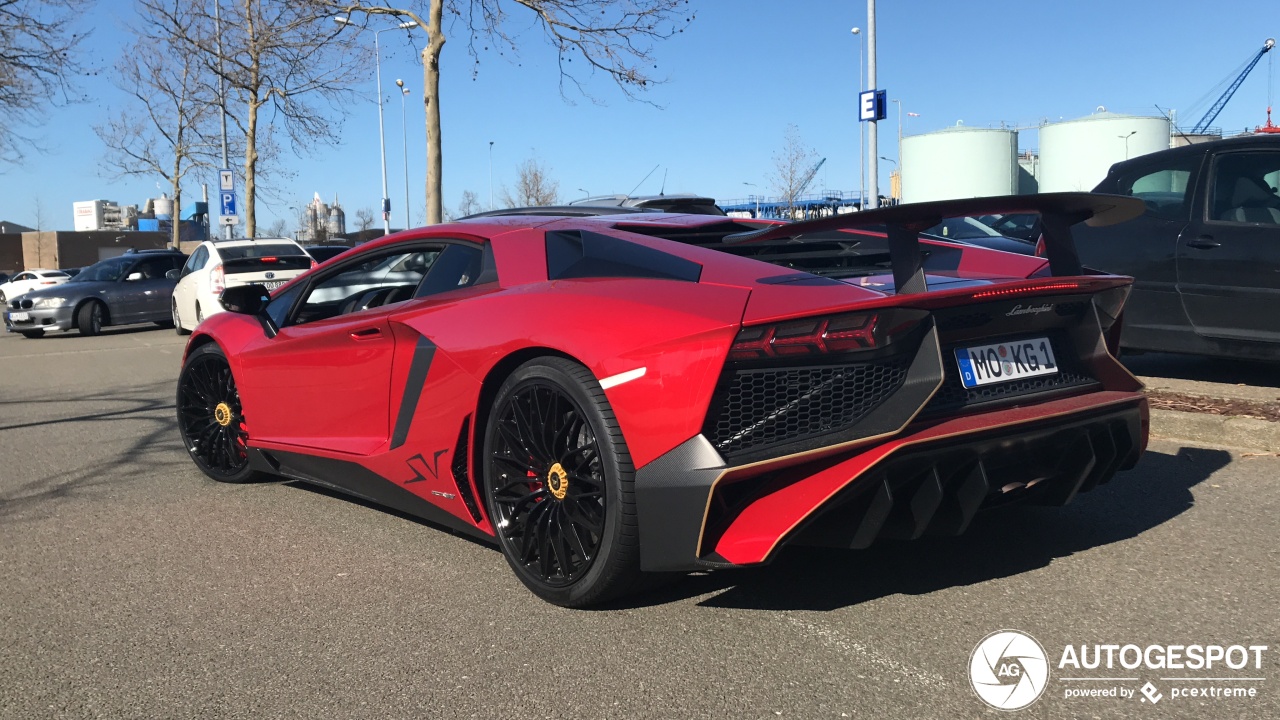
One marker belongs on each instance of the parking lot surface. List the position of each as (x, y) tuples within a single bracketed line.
[(135, 587)]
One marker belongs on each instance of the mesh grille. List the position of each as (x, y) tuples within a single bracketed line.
[(774, 406), (954, 396)]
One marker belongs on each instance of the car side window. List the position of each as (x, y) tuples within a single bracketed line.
[(22, 276), (196, 261), (382, 279), (1244, 188), (153, 268), (1166, 189)]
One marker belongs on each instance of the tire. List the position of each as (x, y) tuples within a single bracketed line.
[(3, 300), (548, 419), (210, 419), (89, 319), (199, 315), (177, 321), (32, 334)]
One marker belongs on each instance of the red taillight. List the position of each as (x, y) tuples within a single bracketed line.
[(217, 279), (269, 259), (1040, 250), (827, 334), (1006, 292), (313, 262), (48, 282)]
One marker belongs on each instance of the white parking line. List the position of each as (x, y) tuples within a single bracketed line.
[(865, 654)]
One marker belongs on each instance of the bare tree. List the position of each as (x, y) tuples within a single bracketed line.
[(364, 219), (38, 57), (168, 129), (470, 204), (612, 37), (277, 228), (533, 187), (791, 168), (285, 65)]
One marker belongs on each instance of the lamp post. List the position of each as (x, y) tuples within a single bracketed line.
[(585, 194), (490, 174), (1125, 138), (757, 197), (895, 169), (899, 104), (404, 139), (862, 131), (382, 136), (873, 134)]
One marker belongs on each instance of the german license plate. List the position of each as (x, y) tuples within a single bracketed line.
[(272, 284), (19, 316), (1005, 361)]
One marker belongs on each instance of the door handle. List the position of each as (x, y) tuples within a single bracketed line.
[(366, 334), (1204, 242)]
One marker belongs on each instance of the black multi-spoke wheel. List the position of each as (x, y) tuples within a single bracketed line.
[(210, 417), (558, 483)]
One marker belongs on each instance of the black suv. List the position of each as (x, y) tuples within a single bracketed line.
[(1205, 256), (131, 288)]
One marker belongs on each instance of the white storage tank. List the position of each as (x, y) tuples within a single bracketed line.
[(959, 162), (1076, 154)]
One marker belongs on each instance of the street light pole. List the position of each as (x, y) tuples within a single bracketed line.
[(899, 103), (862, 132), (404, 139), (1125, 138), (382, 136), (222, 96), (490, 174), (757, 197), (585, 194), (873, 168)]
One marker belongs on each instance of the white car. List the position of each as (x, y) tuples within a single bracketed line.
[(220, 264), (29, 280)]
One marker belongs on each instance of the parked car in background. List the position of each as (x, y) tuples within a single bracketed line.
[(682, 203), (131, 288), (1024, 226), (1205, 256), (28, 280), (975, 232), (219, 264), (321, 253)]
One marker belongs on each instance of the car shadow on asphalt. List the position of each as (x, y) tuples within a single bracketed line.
[(1000, 543), (1256, 373)]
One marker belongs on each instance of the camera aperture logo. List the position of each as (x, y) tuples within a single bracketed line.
[(1009, 670)]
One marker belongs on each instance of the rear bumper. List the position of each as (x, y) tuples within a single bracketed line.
[(695, 512)]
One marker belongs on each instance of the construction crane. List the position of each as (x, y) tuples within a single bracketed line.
[(808, 178), (1221, 102)]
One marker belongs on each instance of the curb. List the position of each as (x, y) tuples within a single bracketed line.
[(1244, 433)]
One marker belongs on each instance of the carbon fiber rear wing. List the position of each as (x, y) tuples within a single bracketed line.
[(1058, 212)]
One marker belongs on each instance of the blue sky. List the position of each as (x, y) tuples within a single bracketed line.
[(736, 78)]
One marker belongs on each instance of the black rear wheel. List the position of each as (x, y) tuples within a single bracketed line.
[(559, 485), (210, 417)]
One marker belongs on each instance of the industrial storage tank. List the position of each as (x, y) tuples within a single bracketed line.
[(959, 162), (163, 208), (1076, 154)]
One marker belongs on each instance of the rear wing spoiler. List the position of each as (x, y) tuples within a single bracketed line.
[(1058, 212)]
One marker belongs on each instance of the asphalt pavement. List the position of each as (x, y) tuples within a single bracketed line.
[(135, 588)]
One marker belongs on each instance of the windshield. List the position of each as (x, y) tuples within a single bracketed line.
[(109, 270)]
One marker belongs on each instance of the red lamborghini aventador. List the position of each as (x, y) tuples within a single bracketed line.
[(609, 398)]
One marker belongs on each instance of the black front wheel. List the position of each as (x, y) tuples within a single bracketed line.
[(210, 417), (559, 485), (89, 318)]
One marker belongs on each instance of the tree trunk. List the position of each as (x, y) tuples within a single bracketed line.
[(176, 234), (250, 169), (431, 100)]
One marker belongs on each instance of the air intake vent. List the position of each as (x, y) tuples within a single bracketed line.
[(461, 478)]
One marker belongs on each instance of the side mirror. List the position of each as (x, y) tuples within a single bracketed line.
[(173, 274), (249, 299), (133, 277)]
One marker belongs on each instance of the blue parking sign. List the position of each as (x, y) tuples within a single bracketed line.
[(228, 203)]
